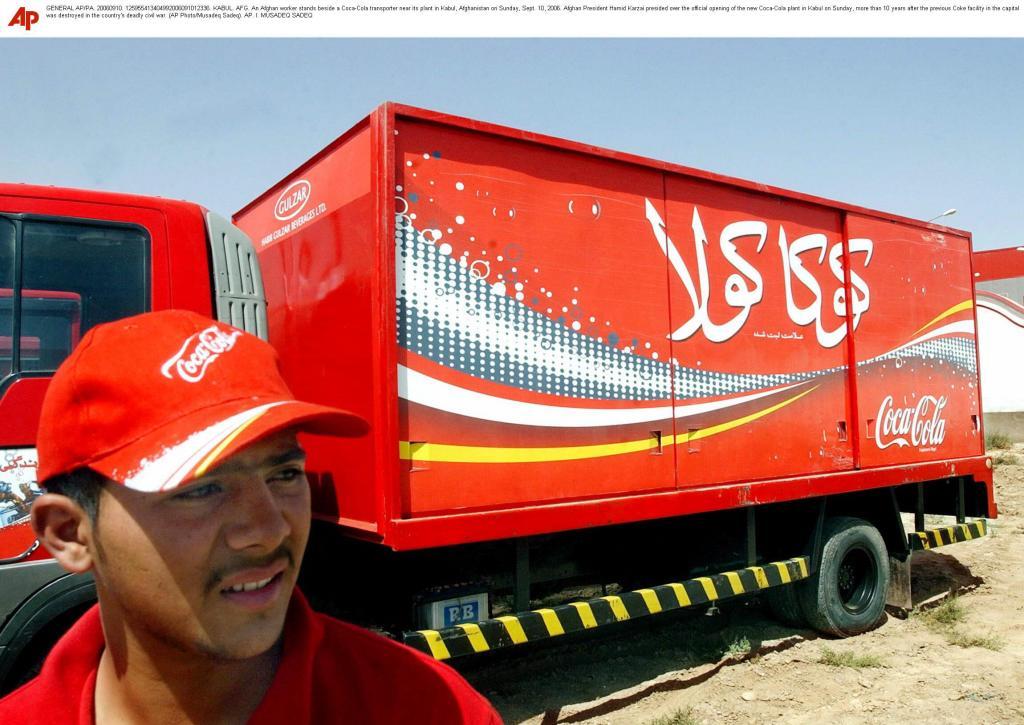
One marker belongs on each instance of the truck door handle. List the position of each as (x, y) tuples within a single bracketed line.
[(22, 556)]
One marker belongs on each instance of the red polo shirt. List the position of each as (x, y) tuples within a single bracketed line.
[(330, 672)]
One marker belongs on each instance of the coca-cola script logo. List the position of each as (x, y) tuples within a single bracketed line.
[(921, 425), (198, 352), (806, 262), (292, 200)]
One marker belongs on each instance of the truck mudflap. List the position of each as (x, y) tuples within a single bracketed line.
[(934, 538), (515, 629), (899, 594)]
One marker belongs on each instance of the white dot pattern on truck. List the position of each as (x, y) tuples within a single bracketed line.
[(450, 314)]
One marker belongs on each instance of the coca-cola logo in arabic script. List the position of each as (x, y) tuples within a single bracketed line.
[(199, 350), (921, 425)]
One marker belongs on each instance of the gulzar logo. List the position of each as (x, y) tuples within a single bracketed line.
[(199, 350), (292, 200), (922, 424)]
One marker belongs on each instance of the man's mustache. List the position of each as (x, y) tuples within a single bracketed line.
[(221, 573)]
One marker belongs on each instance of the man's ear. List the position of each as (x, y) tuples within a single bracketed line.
[(65, 529)]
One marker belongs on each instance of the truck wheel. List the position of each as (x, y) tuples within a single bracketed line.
[(846, 595), (784, 605)]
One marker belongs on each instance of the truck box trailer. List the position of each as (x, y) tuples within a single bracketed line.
[(663, 385), (549, 337), (553, 336)]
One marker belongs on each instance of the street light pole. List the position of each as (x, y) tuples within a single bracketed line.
[(948, 212)]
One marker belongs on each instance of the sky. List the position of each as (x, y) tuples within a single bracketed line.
[(912, 127)]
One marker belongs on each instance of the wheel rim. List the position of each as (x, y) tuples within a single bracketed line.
[(857, 579)]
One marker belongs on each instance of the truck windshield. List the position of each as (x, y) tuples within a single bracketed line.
[(73, 276)]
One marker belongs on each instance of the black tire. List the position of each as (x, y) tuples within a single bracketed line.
[(785, 606), (846, 595)]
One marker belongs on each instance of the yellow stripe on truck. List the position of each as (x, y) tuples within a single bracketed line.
[(470, 638), (554, 626), (437, 646), (734, 582), (450, 453), (934, 538), (960, 307), (476, 637), (618, 608), (650, 599), (514, 629), (586, 614), (681, 596), (709, 588), (760, 577)]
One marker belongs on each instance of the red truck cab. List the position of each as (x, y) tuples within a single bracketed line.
[(69, 260)]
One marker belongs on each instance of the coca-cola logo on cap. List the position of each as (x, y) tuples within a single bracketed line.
[(198, 353)]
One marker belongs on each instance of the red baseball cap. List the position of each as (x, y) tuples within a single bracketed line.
[(155, 401)]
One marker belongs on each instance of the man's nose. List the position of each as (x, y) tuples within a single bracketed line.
[(257, 519)]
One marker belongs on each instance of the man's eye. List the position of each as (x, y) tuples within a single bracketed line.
[(288, 474), (198, 493)]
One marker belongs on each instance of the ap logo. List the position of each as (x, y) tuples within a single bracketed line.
[(24, 18)]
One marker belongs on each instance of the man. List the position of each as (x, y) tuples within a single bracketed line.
[(168, 449)]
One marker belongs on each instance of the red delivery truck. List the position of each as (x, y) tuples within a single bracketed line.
[(581, 364), (582, 367)]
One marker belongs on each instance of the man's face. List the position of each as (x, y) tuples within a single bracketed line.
[(208, 567)]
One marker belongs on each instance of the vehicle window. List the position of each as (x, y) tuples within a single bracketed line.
[(6, 296), (75, 276)]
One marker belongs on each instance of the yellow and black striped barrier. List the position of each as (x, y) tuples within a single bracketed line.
[(465, 639), (933, 538)]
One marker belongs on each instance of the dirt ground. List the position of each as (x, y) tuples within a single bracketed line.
[(948, 662)]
